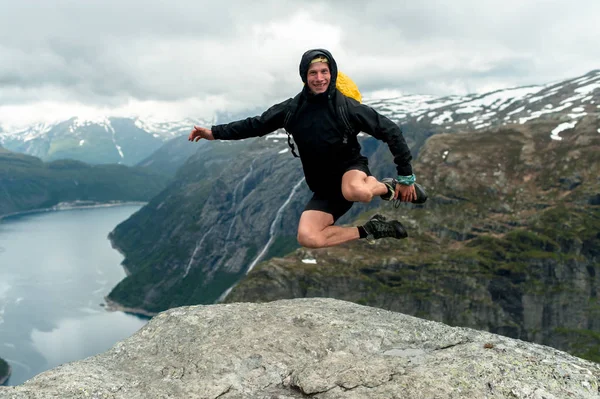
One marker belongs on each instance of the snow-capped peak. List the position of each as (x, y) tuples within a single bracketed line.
[(501, 107)]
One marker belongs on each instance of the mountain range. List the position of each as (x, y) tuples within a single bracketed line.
[(101, 140)]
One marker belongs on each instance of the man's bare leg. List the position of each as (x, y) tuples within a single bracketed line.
[(316, 230), (358, 187)]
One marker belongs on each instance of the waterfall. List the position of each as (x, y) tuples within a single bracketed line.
[(273, 225), (189, 265), (235, 190), (271, 236)]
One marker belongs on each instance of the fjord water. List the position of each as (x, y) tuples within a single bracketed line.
[(55, 270)]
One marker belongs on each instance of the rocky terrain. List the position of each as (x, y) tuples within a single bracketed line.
[(313, 348)]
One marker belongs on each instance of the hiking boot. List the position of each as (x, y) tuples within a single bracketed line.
[(391, 184), (379, 227), (421, 194)]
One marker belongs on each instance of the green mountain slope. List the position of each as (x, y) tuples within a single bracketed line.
[(4, 370), (171, 156), (27, 183)]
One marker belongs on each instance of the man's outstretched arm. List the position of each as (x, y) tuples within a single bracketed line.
[(271, 120)]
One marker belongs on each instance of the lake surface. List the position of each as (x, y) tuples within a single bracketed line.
[(55, 270)]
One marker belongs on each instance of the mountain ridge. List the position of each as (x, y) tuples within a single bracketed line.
[(99, 140)]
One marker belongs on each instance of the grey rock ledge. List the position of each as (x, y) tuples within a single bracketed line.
[(318, 348)]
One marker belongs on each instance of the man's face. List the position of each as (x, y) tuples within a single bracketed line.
[(318, 77)]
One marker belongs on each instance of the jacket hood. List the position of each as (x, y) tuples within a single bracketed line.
[(310, 55)]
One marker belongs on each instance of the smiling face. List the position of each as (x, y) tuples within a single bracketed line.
[(318, 77)]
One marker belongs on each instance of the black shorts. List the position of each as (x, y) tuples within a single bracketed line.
[(334, 202)]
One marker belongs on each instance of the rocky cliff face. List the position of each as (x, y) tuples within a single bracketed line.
[(170, 156), (318, 348)]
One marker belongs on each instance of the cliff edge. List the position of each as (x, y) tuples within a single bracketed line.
[(319, 348)]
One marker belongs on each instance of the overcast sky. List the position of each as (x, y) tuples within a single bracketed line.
[(182, 58)]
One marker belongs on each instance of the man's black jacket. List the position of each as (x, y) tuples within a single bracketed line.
[(324, 146)]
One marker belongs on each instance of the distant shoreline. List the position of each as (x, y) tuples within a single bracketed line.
[(113, 306), (116, 248), (7, 376), (65, 206)]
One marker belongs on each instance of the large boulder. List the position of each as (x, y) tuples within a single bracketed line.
[(320, 348)]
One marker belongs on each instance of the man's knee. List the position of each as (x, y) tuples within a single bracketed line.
[(371, 180)]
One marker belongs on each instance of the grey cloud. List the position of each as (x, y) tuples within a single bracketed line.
[(105, 52)]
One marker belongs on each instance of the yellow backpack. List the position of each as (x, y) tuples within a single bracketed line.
[(347, 87)]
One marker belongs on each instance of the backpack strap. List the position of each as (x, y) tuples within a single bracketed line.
[(291, 110), (342, 114), (340, 110)]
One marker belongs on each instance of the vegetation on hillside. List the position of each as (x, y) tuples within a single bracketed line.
[(28, 183), (4, 368)]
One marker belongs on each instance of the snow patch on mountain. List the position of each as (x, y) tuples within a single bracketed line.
[(563, 126), (537, 114), (78, 123), (29, 133), (169, 129), (444, 117), (477, 111)]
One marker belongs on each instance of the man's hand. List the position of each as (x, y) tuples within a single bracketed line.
[(405, 193), (200, 133)]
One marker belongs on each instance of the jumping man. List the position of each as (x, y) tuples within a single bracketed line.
[(335, 171)]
